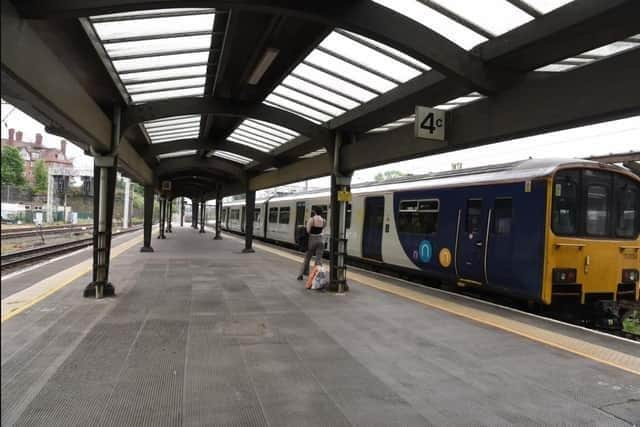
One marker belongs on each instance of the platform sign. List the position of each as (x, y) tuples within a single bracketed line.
[(430, 123), (344, 196)]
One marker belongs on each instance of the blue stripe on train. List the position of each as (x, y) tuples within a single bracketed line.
[(514, 260)]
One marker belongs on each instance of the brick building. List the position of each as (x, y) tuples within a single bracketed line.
[(33, 151)]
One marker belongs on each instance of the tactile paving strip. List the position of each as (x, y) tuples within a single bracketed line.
[(580, 347)]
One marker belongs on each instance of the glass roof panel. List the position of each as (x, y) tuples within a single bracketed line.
[(366, 56), (296, 108), (424, 15), (556, 67), (168, 84), (393, 52), (307, 100), (319, 92), (199, 70), (154, 132), (160, 61), (339, 85), (173, 138), (154, 26), (613, 48), (495, 16), (167, 94), (181, 153), (170, 119), (270, 129), (148, 47), (275, 126), (261, 136), (313, 154), (177, 134), (252, 137), (355, 73), (153, 12), (546, 6), (161, 126), (232, 156), (250, 128), (242, 141)]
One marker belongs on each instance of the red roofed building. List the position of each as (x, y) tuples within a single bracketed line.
[(31, 152)]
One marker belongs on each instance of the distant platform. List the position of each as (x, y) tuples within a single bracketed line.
[(201, 334)]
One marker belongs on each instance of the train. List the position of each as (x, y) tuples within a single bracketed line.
[(554, 232)]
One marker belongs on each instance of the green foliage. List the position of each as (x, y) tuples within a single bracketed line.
[(383, 176), (40, 177), (12, 167)]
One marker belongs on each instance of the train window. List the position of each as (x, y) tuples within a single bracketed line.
[(347, 219), (256, 215), (284, 215), (418, 216), (320, 209), (474, 215), (234, 214), (273, 215), (626, 203), (597, 210), (565, 203), (503, 215)]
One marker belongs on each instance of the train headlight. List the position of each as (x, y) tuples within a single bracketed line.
[(630, 275), (564, 275)]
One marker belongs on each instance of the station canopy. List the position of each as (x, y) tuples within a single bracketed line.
[(257, 90)]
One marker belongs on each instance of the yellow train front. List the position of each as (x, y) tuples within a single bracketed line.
[(592, 243)]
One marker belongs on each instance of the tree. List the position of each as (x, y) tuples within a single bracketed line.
[(383, 176), (12, 167), (40, 177)]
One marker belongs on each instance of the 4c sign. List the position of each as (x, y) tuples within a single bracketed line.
[(430, 123)]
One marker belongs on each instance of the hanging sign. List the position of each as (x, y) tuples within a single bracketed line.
[(430, 123), (166, 185)]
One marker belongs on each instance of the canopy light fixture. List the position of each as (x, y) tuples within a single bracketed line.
[(263, 65)]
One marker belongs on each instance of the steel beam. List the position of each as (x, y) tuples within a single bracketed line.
[(297, 171), (208, 144), (543, 102), (193, 164), (208, 105), (367, 18), (41, 85)]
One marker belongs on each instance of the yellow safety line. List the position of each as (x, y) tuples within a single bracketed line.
[(585, 349), (64, 277)]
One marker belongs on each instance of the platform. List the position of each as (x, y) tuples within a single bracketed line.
[(201, 334)]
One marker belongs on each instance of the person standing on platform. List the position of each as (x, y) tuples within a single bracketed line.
[(315, 225)]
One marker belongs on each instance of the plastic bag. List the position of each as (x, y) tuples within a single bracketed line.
[(320, 278)]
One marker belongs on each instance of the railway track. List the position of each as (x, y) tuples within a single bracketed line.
[(39, 231), (28, 256)]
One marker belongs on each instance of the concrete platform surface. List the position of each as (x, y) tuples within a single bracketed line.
[(201, 334)]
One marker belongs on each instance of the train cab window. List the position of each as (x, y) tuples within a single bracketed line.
[(503, 214), (320, 209), (283, 218), (474, 215), (627, 203), (418, 216), (256, 215), (347, 219), (565, 203), (597, 210), (273, 215)]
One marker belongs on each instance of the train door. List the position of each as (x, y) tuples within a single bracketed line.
[(471, 242), (372, 229), (300, 223), (242, 216), (500, 245)]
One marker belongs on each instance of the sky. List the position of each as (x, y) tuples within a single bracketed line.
[(604, 138)]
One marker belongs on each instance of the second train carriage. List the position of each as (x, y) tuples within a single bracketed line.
[(542, 230)]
